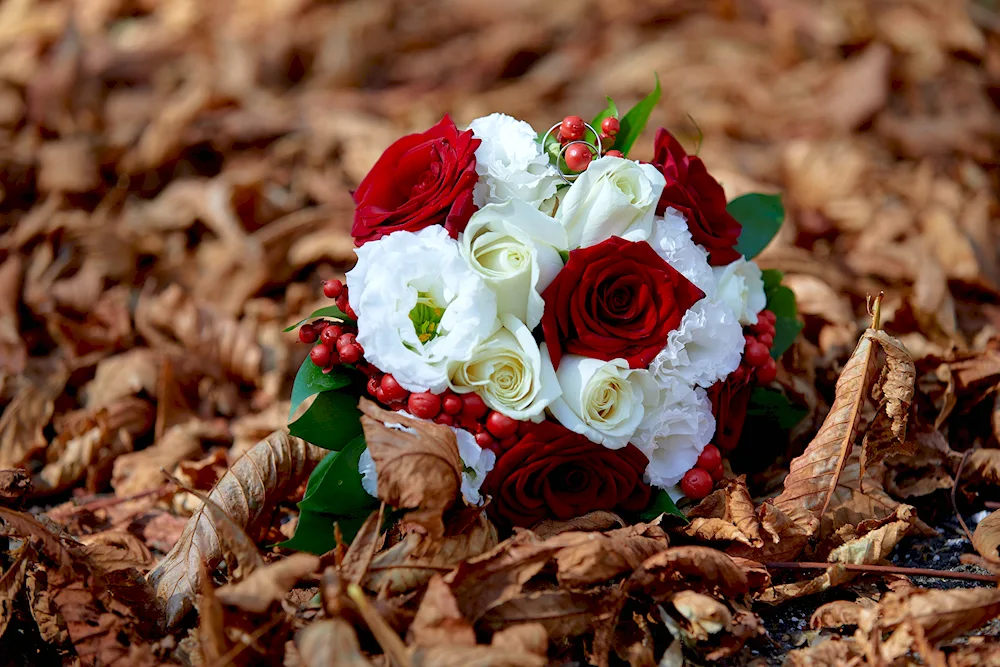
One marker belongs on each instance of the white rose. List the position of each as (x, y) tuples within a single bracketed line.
[(673, 435), (506, 370), (515, 248), (510, 162), (740, 286), (705, 348), (613, 197), (672, 241), (420, 306), (476, 463), (603, 400)]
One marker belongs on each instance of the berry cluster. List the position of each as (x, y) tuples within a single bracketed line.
[(757, 365), (578, 155), (335, 342), (699, 480)]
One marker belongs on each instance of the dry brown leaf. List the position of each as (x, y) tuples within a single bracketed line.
[(860, 89), (986, 538), (886, 434), (688, 567), (271, 469), (825, 653), (211, 623), (13, 353), (330, 642), (563, 613), (586, 558), (14, 485), (11, 584), (727, 514), (523, 637), (115, 550), (28, 526), (474, 656), (983, 466), (365, 544), (591, 521), (418, 471), (705, 615), (268, 584), (941, 613), (836, 614), (24, 419), (438, 621)]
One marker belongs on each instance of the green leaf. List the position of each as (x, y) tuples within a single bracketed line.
[(761, 217), (311, 380), (610, 110), (327, 311), (661, 504), (335, 485), (787, 326), (775, 407), (634, 122), (314, 532), (332, 421), (772, 279)]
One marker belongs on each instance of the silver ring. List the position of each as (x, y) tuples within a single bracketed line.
[(598, 149)]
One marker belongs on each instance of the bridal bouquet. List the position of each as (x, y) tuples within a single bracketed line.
[(590, 327)]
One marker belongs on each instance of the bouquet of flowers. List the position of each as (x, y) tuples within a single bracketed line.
[(589, 326)]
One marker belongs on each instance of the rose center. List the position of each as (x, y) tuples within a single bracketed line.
[(569, 479), (427, 179), (426, 317)]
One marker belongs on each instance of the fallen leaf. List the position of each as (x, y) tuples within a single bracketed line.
[(11, 584), (986, 538), (268, 584), (13, 353), (418, 471), (270, 470), (330, 642), (115, 550), (14, 484), (688, 567), (726, 514), (826, 652), (523, 637), (24, 419), (563, 613), (836, 614), (438, 621), (941, 613), (886, 434), (705, 615), (586, 558), (591, 521), (860, 88), (474, 656)]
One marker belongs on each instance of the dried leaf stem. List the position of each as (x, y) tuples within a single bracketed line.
[(887, 569), (954, 490)]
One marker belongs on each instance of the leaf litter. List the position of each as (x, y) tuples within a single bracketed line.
[(170, 205)]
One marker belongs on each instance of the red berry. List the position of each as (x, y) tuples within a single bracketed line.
[(571, 128), (717, 473), (451, 404), (331, 334), (739, 375), (614, 153), (373, 385), (768, 372), (351, 354), (501, 425), (332, 288), (507, 443), (610, 125), (346, 340), (756, 354), (320, 355), (697, 483), (473, 407), (380, 395), (424, 405), (770, 316), (578, 157), (393, 390), (307, 334), (748, 340), (445, 419), (484, 439), (710, 458), (767, 340), (606, 139)]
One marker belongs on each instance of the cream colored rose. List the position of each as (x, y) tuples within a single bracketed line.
[(509, 373), (515, 248), (740, 286), (605, 401)]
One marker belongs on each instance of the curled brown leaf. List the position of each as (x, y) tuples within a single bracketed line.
[(986, 538), (268, 584), (330, 642), (590, 557)]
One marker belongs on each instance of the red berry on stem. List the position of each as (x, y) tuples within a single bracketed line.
[(610, 125), (373, 385), (345, 340), (710, 458), (767, 340), (606, 139), (571, 128), (578, 157), (501, 425), (614, 153), (424, 405), (473, 407), (320, 355), (350, 354), (756, 354), (393, 390), (770, 316), (696, 484), (307, 334), (380, 395), (768, 372), (484, 439), (331, 334), (717, 473), (332, 288), (452, 404), (445, 419)]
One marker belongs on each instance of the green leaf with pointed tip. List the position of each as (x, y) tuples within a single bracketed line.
[(314, 532), (634, 121), (326, 311), (610, 110), (661, 504), (332, 421), (774, 406), (311, 380), (781, 301), (761, 217), (335, 485)]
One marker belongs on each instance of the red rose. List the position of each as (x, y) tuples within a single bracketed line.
[(692, 191), (617, 299), (553, 472), (421, 180), (729, 405)]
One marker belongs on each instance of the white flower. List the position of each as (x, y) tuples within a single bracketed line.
[(672, 241), (705, 348), (673, 435), (476, 461), (510, 162), (506, 370), (613, 197), (603, 400), (420, 306), (515, 248), (741, 287)]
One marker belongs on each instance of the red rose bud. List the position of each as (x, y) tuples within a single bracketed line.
[(307, 334), (697, 483), (484, 439), (332, 288), (393, 390), (710, 458), (767, 373), (330, 334), (445, 419), (473, 407), (717, 473), (578, 157), (572, 128), (420, 180), (424, 405), (320, 355), (350, 354), (756, 354), (501, 425), (451, 404)]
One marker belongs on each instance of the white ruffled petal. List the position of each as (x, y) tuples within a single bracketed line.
[(673, 436), (672, 241), (510, 163), (705, 348)]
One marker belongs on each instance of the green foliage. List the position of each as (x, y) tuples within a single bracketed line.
[(332, 421), (774, 407), (634, 121), (609, 111), (335, 485), (314, 532), (781, 301), (661, 504), (761, 217), (311, 380), (327, 311)]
